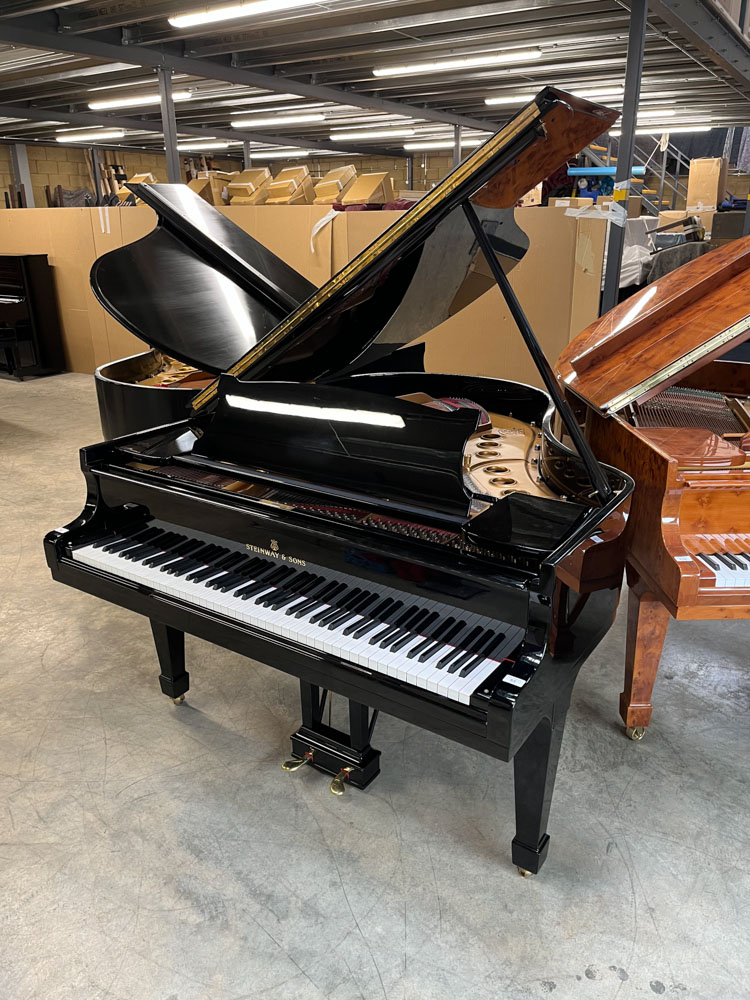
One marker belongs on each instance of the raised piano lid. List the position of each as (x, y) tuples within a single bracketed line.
[(662, 333), (197, 287), (340, 321)]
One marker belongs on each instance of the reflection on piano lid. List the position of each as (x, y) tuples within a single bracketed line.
[(417, 542)]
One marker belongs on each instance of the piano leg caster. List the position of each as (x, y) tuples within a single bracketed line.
[(635, 732), (295, 763), (525, 873), (179, 699), (338, 786)]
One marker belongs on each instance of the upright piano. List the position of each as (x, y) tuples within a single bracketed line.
[(30, 339), (421, 544), (663, 384)]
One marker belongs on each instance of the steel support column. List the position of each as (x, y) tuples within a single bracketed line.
[(633, 71), (410, 172), (169, 125), (456, 145), (246, 158), (662, 177), (96, 171), (19, 166)]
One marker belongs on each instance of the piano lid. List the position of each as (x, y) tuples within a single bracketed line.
[(197, 287), (662, 333), (336, 324)]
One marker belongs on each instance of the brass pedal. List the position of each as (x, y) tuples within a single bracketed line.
[(295, 763), (337, 785)]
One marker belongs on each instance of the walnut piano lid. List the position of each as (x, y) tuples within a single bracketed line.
[(662, 333), (197, 287), (343, 318)]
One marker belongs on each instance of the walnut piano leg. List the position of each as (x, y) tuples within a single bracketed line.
[(534, 770), (170, 648), (647, 629)]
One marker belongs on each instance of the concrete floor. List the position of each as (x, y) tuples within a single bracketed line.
[(149, 852)]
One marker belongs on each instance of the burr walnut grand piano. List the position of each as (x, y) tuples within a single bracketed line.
[(665, 378)]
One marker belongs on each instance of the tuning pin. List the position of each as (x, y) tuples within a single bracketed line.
[(337, 785), (295, 763)]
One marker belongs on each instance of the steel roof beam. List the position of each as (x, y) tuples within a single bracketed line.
[(702, 25), (40, 32), (146, 125)]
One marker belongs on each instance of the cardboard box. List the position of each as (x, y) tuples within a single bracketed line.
[(291, 186), (674, 216), (334, 185), (370, 189), (707, 183), (533, 197), (250, 187), (211, 188)]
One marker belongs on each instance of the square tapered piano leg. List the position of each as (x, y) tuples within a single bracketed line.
[(347, 756), (170, 648), (534, 770)]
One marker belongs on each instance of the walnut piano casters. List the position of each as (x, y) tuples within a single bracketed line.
[(419, 544), (668, 401)]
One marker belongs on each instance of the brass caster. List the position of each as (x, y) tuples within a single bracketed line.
[(337, 785), (295, 763), (525, 873), (635, 732), (178, 700)]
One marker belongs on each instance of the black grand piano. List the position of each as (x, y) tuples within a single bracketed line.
[(420, 544)]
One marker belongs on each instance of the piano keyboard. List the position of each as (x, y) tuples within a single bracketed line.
[(422, 642), (730, 569)]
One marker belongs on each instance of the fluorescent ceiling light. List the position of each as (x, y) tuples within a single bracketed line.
[(281, 154), (262, 99), (525, 98), (356, 120), (658, 129), (369, 134), (656, 113), (113, 67), (251, 8), (435, 144), (114, 133), (137, 101), (469, 62), (278, 120), (201, 146)]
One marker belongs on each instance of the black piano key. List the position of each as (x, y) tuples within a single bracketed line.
[(338, 596), (407, 630), (455, 629), (141, 552), (255, 583), (415, 627), (714, 564), (320, 594), (200, 557), (234, 567), (466, 646), (454, 639), (472, 649), (268, 600), (393, 627), (110, 536), (206, 572), (736, 560), (181, 550), (727, 562), (355, 611), (373, 620), (292, 591), (136, 539), (342, 604), (262, 583), (432, 634)]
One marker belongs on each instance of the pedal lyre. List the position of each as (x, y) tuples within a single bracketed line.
[(295, 763), (337, 785)]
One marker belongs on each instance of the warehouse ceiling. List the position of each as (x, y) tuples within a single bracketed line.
[(349, 75)]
